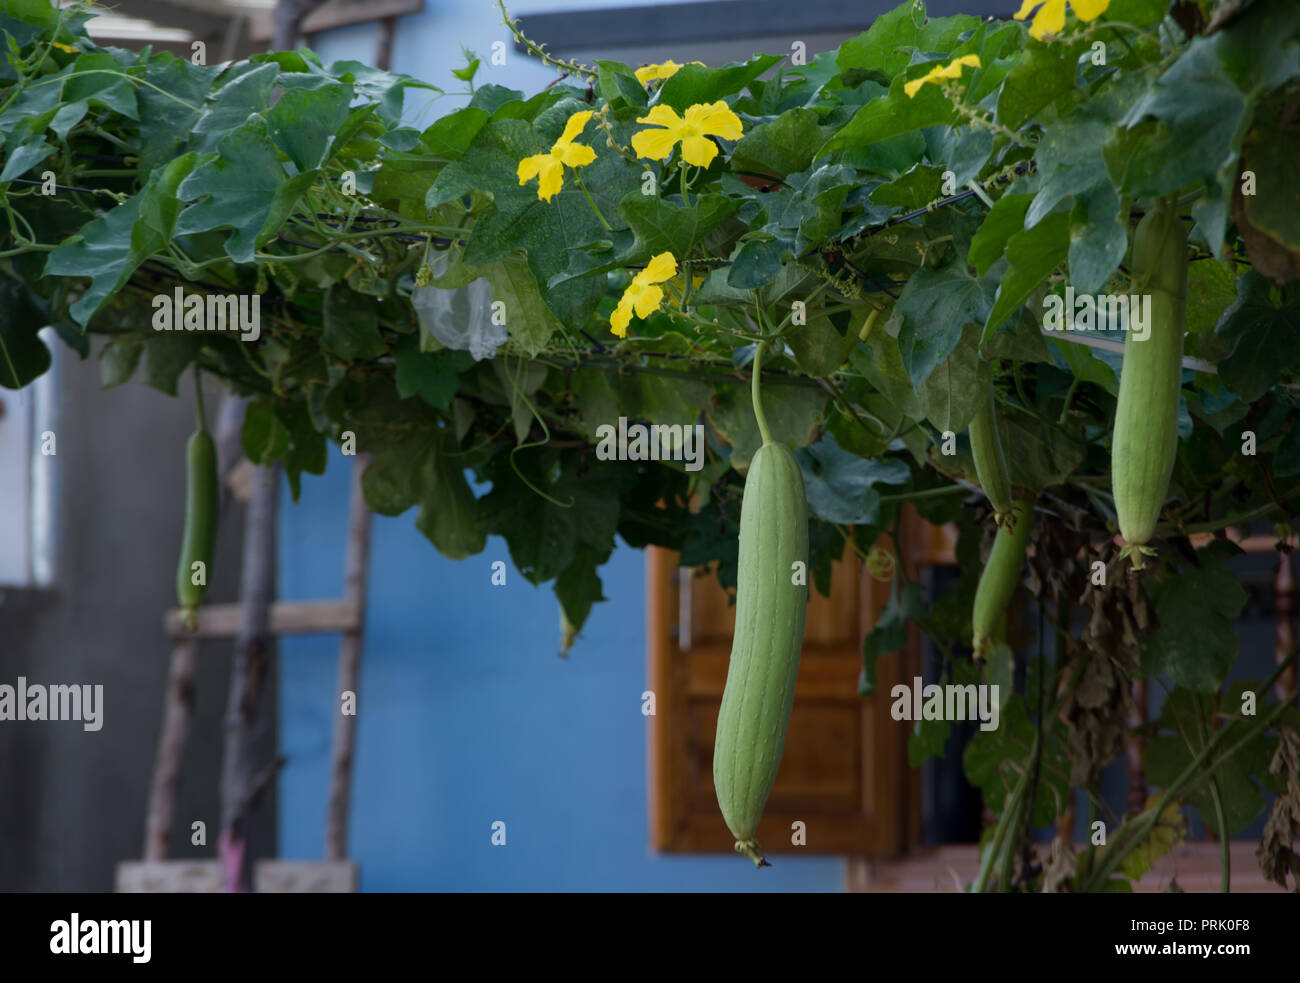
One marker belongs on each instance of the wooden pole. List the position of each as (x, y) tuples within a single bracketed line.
[(178, 715), (242, 775), (349, 673)]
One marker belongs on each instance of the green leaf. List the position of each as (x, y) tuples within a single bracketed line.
[(528, 320), (450, 516), (1032, 255), (579, 587), (304, 122), (433, 376), (245, 188), (953, 391), (1187, 126), (1003, 220), (694, 84), (841, 486), (263, 437), (782, 146), (887, 47), (889, 116), (1039, 455), (1041, 74), (24, 159), (110, 248), (818, 348), (935, 306), (1098, 238), (230, 106), (792, 413), (97, 79), (23, 356), (660, 226), (118, 360), (351, 324), (1263, 337), (168, 113), (169, 354), (518, 219), (1195, 643)]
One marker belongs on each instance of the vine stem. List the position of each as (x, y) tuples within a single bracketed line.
[(759, 415), (199, 411)]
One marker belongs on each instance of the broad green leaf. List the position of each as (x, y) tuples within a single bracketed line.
[(351, 324), (1003, 220), (518, 219), (23, 356), (1263, 336), (891, 115), (110, 248), (244, 188), (783, 146), (953, 391), (529, 323), (303, 122), (661, 226), (935, 306), (230, 106), (841, 486), (1032, 254), (695, 84)]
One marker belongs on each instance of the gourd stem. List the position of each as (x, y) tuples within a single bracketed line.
[(763, 430), (198, 397)]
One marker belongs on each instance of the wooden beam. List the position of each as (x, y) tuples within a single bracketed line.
[(287, 618)]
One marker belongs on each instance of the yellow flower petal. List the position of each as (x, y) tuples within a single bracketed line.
[(699, 151), (622, 316), (649, 73), (550, 180), (65, 47), (661, 116), (577, 155), (951, 70), (1025, 8), (655, 144), (660, 268), (529, 167), (716, 119), (573, 127), (1050, 19), (1087, 10), (648, 301)]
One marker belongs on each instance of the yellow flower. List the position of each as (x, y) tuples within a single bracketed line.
[(65, 47), (641, 294), (951, 70), (549, 168), (648, 73), (702, 121), (1051, 15)]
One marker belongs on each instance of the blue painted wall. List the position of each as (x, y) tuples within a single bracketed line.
[(466, 715)]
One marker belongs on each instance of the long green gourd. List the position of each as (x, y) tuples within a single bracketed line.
[(1001, 574), (1146, 417), (771, 602), (990, 462)]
